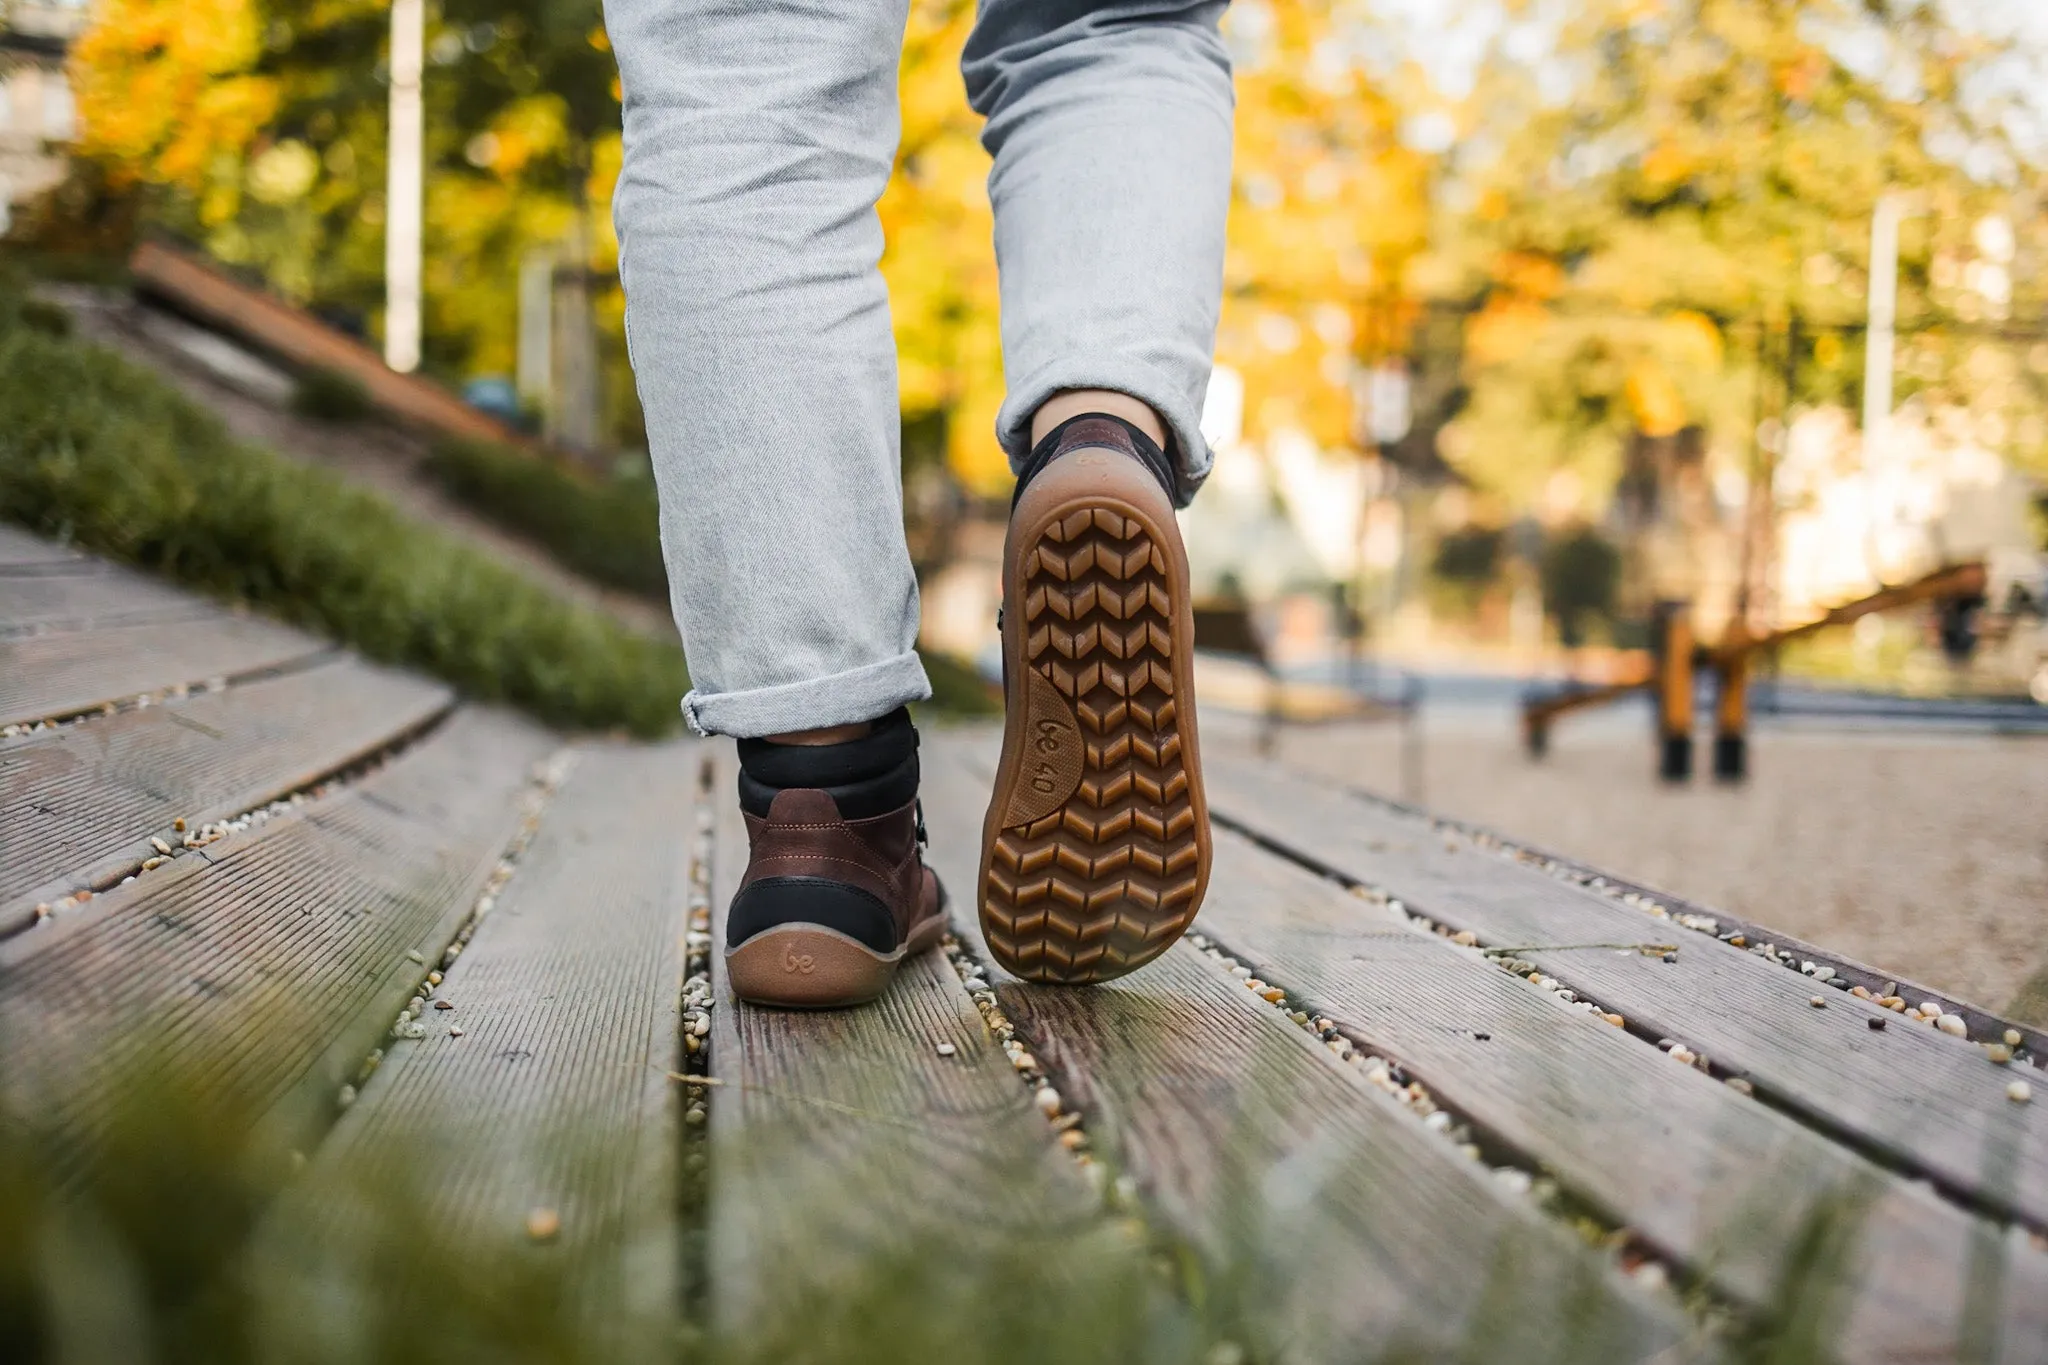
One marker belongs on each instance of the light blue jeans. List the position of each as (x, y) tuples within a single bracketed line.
[(758, 136)]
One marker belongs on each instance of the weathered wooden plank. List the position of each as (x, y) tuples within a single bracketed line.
[(108, 598), (1250, 1136), (1713, 1180), (1908, 1095), (841, 1138), (263, 970), (546, 1083), (80, 805), (67, 672)]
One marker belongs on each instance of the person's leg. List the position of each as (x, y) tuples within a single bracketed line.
[(758, 136), (1110, 126)]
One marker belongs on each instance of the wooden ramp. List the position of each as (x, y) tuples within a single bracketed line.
[(1405, 1088)]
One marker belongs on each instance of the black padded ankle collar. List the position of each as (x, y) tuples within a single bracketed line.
[(1135, 444), (865, 777), (892, 740)]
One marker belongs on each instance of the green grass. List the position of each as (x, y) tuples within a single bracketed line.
[(98, 452), (608, 530), (331, 396)]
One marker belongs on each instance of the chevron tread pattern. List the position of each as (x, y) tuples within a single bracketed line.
[(1109, 880)]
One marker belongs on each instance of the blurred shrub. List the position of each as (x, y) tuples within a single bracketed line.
[(1581, 572), (957, 688), (1469, 557), (48, 318), (330, 396), (101, 452), (608, 530)]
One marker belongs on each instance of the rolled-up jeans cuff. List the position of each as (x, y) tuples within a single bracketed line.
[(1118, 375), (859, 694)]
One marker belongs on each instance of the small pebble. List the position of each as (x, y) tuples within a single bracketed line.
[(1048, 1100), (1073, 1139), (1740, 1086), (1953, 1025), (1930, 1009), (2013, 1038), (455, 1030), (413, 955), (1614, 1019), (159, 845), (2019, 1092), (1876, 1025), (1465, 938), (433, 978), (543, 1225), (1273, 995), (946, 1049), (1818, 1003), (444, 1004), (178, 825), (1998, 1053)]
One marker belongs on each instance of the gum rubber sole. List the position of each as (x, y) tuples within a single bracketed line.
[(808, 966), (1095, 851)]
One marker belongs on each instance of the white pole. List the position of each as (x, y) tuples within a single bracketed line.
[(1878, 340), (402, 189)]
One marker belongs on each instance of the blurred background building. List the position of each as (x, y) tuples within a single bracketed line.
[(38, 118)]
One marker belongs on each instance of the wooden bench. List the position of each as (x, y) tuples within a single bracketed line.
[(1438, 1085)]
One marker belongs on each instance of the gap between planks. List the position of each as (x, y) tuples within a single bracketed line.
[(1715, 1181), (541, 1099), (88, 805), (1251, 1137), (263, 976), (54, 676), (842, 1138), (1908, 1096)]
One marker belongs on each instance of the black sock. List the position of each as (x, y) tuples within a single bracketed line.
[(865, 777)]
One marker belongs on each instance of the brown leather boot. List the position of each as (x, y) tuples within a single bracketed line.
[(1095, 852), (836, 894)]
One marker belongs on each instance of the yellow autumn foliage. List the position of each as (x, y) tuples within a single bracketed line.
[(1328, 204), (165, 91)]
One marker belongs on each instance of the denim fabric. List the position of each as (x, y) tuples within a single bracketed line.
[(758, 136)]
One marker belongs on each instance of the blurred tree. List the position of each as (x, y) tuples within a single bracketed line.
[(1581, 573), (1329, 205), (1649, 187)]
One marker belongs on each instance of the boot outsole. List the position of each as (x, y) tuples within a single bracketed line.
[(810, 966), (1095, 851)]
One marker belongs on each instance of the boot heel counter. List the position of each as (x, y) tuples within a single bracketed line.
[(773, 902)]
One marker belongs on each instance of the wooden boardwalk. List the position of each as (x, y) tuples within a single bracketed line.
[(1432, 1088)]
